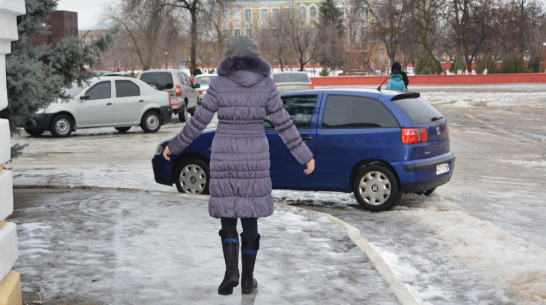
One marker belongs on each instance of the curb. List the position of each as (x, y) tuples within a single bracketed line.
[(399, 289), (404, 296)]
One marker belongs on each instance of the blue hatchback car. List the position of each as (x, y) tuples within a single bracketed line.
[(376, 144)]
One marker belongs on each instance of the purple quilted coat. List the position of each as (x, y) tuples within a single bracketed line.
[(242, 95)]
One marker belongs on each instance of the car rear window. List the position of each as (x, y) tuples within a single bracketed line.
[(164, 80), (204, 80), (291, 77), (346, 111), (418, 110)]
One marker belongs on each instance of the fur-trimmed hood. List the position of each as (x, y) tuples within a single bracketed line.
[(244, 70), (246, 63)]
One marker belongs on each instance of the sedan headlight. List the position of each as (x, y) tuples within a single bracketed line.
[(159, 150)]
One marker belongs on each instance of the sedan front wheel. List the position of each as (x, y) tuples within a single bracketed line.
[(192, 177), (61, 126), (376, 188)]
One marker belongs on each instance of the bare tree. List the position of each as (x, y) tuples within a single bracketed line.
[(144, 21), (362, 43), (196, 9), (423, 28), (473, 23), (300, 35), (388, 20), (274, 45)]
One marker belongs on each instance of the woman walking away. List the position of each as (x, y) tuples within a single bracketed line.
[(240, 186)]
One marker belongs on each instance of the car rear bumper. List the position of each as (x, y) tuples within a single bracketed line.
[(166, 113), (421, 176)]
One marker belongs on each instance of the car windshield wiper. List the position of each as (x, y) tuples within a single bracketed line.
[(436, 118)]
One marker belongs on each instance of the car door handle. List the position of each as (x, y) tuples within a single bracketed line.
[(141, 101), (108, 104), (307, 138)]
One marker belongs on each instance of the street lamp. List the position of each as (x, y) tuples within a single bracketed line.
[(166, 60)]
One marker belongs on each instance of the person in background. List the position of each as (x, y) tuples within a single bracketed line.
[(398, 67), (396, 82), (240, 186)]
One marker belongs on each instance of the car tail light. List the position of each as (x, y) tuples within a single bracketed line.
[(311, 86), (178, 90), (414, 135), (447, 132), (170, 101), (199, 91)]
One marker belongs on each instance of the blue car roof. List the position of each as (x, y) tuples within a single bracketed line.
[(383, 95)]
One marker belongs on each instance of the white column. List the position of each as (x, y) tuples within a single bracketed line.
[(10, 291)]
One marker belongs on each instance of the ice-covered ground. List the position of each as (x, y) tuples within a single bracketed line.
[(480, 239)]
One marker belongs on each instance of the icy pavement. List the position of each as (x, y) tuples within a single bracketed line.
[(135, 247), (480, 239)]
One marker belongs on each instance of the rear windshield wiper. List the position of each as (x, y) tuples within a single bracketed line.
[(436, 118)]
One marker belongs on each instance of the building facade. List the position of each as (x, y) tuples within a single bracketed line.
[(240, 17), (64, 24)]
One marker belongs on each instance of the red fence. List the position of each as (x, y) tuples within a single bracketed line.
[(519, 78)]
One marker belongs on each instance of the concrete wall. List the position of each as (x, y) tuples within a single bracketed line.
[(10, 287)]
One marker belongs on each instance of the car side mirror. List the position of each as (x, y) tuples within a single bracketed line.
[(84, 97), (197, 86)]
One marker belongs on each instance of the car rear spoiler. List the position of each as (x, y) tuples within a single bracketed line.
[(406, 95)]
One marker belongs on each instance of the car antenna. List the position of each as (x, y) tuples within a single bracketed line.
[(379, 88)]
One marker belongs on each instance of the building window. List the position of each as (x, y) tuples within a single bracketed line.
[(248, 32), (313, 12), (237, 32), (248, 15), (263, 14), (275, 13), (302, 12), (364, 13), (381, 53), (225, 15), (237, 14)]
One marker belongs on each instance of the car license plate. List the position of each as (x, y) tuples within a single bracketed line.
[(442, 168)]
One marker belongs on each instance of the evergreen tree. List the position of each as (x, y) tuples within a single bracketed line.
[(329, 43), (37, 75)]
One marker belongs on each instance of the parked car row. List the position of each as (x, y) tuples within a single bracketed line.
[(113, 100)]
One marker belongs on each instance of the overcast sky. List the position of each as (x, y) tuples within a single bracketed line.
[(89, 11)]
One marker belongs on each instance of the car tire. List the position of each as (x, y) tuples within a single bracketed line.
[(34, 132), (122, 129), (428, 192), (151, 121), (192, 176), (182, 115), (61, 126), (376, 188), (192, 111)]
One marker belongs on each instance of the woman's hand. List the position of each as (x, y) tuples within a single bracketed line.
[(167, 153), (310, 167)]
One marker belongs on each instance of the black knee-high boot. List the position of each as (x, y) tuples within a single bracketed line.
[(230, 247), (249, 250)]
